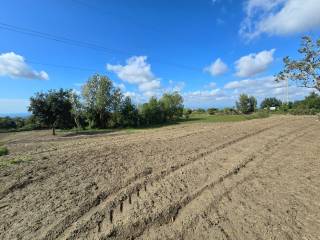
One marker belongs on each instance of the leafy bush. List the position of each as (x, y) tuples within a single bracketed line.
[(303, 111), (187, 113), (270, 102), (246, 104), (199, 110), (212, 111), (4, 151), (262, 114), (229, 111)]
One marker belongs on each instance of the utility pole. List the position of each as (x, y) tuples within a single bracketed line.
[(287, 91)]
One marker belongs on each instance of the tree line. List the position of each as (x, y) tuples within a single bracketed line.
[(101, 105), (64, 109), (247, 104)]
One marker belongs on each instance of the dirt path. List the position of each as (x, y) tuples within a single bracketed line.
[(258, 179)]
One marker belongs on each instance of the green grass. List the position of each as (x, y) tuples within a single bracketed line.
[(204, 117), (3, 151), (14, 161), (194, 118)]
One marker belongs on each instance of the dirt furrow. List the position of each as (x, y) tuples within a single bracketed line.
[(137, 185), (172, 212), (173, 209), (119, 195)]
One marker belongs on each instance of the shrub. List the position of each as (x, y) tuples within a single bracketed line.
[(4, 151), (200, 110), (303, 111), (229, 111), (263, 114), (212, 111), (246, 104), (270, 102), (187, 113)]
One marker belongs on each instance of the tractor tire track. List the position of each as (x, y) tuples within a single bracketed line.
[(136, 229), (120, 197), (120, 194)]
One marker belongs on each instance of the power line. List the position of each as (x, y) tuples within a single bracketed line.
[(56, 38), (92, 46)]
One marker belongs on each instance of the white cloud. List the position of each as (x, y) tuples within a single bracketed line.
[(205, 96), (120, 85), (254, 63), (265, 87), (137, 71), (212, 85), (218, 67), (175, 86), (136, 97), (280, 17), (14, 65)]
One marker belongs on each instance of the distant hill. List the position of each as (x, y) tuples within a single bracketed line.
[(15, 115)]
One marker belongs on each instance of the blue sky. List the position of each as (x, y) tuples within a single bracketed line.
[(209, 50)]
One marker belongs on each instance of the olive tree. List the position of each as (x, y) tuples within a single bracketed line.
[(306, 71), (53, 108)]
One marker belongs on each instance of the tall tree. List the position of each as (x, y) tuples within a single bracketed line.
[(172, 105), (129, 113), (116, 104), (77, 110), (246, 104), (306, 71), (98, 97), (53, 108)]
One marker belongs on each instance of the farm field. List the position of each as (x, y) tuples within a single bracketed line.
[(256, 179)]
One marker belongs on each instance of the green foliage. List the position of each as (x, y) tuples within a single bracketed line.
[(3, 151), (78, 111), (152, 112), (53, 109), (199, 110), (312, 101), (168, 108), (187, 112), (98, 94), (246, 104), (261, 114), (7, 123), (129, 114), (204, 117), (306, 71), (309, 106), (15, 161), (229, 111), (172, 106), (270, 102), (212, 111)]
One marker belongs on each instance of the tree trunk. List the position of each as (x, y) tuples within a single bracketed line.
[(53, 130)]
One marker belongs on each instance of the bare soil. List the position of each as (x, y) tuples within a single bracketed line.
[(258, 179)]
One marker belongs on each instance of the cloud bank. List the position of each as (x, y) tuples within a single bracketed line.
[(279, 17), (254, 63), (138, 72), (14, 66), (218, 67)]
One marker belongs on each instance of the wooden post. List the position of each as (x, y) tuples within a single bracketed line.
[(111, 215)]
